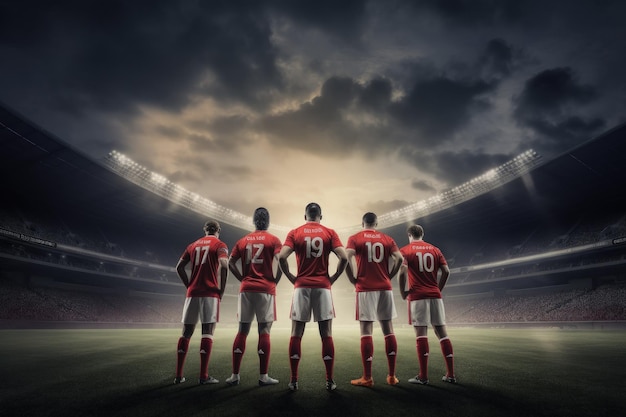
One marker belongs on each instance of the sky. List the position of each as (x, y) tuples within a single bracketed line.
[(356, 105)]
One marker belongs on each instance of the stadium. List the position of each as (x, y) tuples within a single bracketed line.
[(89, 244)]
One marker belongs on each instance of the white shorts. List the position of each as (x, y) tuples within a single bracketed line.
[(256, 304), (317, 300), (375, 306), (203, 309), (428, 311)]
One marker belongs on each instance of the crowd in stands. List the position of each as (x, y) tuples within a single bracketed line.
[(23, 302), (583, 232), (92, 238), (115, 263), (38, 303), (600, 304), (520, 270)]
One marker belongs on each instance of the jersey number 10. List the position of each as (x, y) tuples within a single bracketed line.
[(375, 252), (426, 261)]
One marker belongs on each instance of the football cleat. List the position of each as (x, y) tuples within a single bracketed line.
[(449, 379), (209, 380), (233, 380), (392, 380), (179, 380), (267, 381), (293, 385), (418, 380), (330, 385), (363, 382)]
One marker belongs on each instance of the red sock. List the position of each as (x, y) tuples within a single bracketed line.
[(239, 347), (448, 355), (206, 344), (328, 354), (264, 353), (367, 355), (422, 356), (391, 348), (295, 352), (181, 354)]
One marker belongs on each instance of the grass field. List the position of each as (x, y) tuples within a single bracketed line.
[(129, 373)]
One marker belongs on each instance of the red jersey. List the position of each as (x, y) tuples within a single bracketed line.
[(256, 251), (204, 255), (423, 261), (312, 242), (372, 251)]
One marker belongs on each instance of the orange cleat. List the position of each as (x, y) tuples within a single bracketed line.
[(392, 380), (363, 382)]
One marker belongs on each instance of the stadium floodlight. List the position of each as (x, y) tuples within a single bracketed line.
[(160, 185), (482, 184), (490, 180)]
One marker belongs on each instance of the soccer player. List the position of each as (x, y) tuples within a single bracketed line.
[(375, 253), (209, 259), (422, 263), (260, 272), (312, 242)]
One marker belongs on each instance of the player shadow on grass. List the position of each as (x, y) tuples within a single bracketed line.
[(466, 399), (404, 399)]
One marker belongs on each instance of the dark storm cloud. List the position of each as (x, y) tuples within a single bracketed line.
[(440, 106), (473, 12), (498, 59), (102, 60), (529, 15), (552, 104), (550, 90), (435, 107), (319, 126), (116, 54), (422, 185), (375, 96), (342, 18), (233, 131)]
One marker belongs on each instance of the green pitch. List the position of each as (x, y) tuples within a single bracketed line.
[(130, 373)]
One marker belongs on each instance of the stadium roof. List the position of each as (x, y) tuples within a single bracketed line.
[(40, 169), (588, 179)]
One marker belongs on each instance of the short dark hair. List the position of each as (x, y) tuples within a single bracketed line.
[(313, 210), (261, 218), (212, 227), (416, 231), (370, 218)]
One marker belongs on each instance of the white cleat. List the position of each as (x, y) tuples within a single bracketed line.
[(267, 381), (209, 380), (233, 380)]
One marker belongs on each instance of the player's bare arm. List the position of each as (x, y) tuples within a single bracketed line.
[(350, 267), (402, 282), (182, 272), (445, 273), (223, 270), (284, 265), (232, 266), (278, 273), (341, 266), (397, 263)]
